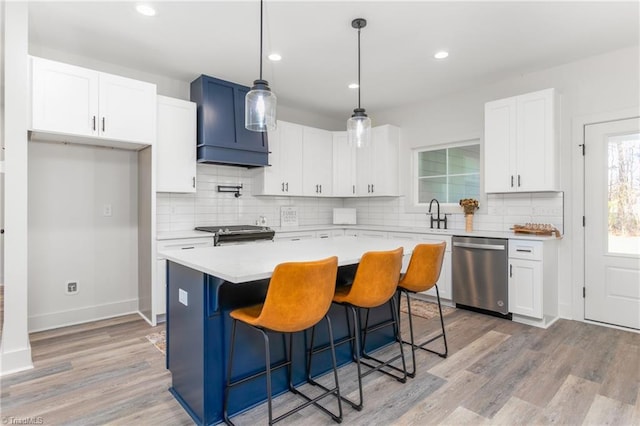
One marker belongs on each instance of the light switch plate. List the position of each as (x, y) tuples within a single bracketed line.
[(183, 297)]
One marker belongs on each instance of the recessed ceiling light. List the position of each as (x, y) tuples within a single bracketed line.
[(353, 86), (274, 57), (441, 54), (146, 10)]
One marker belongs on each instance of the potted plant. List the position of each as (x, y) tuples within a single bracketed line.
[(469, 205)]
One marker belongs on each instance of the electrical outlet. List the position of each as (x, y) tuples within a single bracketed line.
[(72, 287), (106, 210)]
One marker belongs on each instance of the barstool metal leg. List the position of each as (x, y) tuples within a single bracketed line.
[(227, 388), (398, 338), (422, 345)]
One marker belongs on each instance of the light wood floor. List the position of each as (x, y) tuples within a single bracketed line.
[(498, 372)]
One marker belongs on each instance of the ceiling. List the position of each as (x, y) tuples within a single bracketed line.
[(487, 41)]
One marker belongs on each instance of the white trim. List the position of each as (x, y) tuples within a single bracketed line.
[(577, 252), (1, 166), (146, 319), (82, 315), (617, 327), (15, 361)]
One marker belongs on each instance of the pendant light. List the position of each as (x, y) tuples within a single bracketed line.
[(260, 102), (359, 125)]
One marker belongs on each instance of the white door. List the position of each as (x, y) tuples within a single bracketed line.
[(612, 222)]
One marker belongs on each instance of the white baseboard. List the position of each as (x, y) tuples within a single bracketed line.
[(565, 311), (15, 361), (79, 316)]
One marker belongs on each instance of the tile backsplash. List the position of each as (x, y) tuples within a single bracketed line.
[(500, 213), (208, 207), (176, 212)]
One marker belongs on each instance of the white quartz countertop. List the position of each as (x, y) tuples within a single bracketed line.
[(170, 235), (249, 262)]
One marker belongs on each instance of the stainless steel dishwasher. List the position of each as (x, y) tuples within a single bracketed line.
[(479, 273)]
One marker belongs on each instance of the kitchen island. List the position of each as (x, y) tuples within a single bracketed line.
[(205, 284)]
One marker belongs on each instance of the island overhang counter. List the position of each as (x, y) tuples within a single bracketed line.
[(205, 284)]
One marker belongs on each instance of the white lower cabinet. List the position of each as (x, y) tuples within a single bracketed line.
[(159, 293), (294, 235), (533, 282), (368, 234), (525, 287)]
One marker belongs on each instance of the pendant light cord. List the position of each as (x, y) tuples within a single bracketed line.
[(358, 68), (260, 39)]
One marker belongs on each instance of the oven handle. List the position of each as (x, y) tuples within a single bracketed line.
[(480, 246)]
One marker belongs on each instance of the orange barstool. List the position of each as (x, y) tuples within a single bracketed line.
[(298, 297), (375, 284), (422, 274)]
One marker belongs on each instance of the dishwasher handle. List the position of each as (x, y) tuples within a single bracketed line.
[(480, 246)]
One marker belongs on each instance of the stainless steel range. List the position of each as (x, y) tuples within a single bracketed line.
[(238, 234)]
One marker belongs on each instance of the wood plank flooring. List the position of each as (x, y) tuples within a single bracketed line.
[(497, 372)]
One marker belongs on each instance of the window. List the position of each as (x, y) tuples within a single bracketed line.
[(447, 174)]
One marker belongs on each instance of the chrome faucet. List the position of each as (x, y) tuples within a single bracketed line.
[(437, 220)]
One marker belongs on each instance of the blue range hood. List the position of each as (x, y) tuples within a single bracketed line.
[(222, 137)]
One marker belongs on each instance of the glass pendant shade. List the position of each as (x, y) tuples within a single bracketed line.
[(359, 129), (260, 108)]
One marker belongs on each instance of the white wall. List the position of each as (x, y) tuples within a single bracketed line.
[(70, 238), (590, 86)]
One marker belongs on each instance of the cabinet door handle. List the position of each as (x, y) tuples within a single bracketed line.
[(94, 123), (193, 181), (316, 189), (103, 126), (518, 181), (321, 189), (372, 188), (510, 271), (282, 186), (524, 250), (354, 189), (287, 186), (512, 181), (368, 189)]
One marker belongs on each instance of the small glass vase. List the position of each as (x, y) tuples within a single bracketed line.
[(468, 222)]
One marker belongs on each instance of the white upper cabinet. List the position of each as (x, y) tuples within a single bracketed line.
[(283, 176), (520, 146), (176, 146), (64, 98), (127, 109), (86, 105), (317, 162), (344, 166), (377, 172)]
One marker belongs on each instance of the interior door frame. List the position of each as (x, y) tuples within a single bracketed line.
[(578, 251)]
